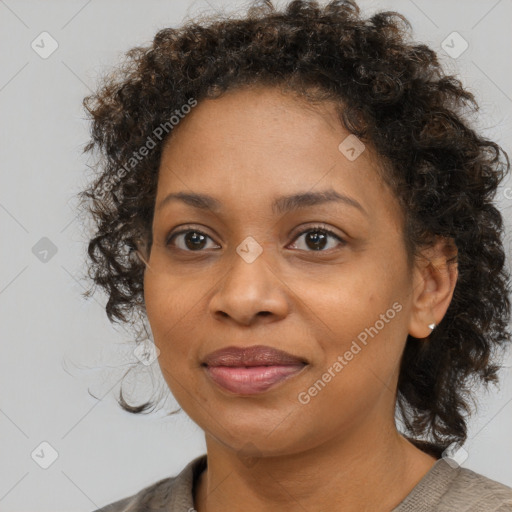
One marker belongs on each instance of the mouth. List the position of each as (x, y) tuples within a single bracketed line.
[(251, 380), (251, 370)]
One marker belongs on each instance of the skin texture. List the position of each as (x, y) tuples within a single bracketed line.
[(270, 450)]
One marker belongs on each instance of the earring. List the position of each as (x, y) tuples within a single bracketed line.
[(431, 326)]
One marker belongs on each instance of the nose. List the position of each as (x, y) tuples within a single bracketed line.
[(250, 292)]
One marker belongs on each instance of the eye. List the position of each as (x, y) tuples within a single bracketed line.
[(317, 238), (193, 240)]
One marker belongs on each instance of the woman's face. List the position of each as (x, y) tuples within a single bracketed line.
[(253, 277)]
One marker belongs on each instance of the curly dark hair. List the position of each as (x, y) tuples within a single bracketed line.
[(392, 94)]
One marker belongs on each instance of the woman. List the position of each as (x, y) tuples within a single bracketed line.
[(296, 203)]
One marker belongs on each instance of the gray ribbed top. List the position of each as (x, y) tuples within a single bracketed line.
[(443, 489)]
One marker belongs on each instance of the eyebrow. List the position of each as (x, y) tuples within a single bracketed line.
[(280, 205)]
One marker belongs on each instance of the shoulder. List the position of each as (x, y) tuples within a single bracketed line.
[(478, 492), (155, 496), (447, 488), (168, 494)]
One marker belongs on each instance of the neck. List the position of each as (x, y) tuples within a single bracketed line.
[(373, 470)]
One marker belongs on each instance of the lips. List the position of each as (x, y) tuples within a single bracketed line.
[(251, 370), (257, 355)]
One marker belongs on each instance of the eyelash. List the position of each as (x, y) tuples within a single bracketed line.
[(319, 229)]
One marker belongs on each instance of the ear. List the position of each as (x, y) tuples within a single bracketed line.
[(434, 276), (141, 251)]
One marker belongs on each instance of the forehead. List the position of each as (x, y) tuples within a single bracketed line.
[(251, 145), (260, 117)]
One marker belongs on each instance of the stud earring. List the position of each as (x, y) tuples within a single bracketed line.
[(431, 326)]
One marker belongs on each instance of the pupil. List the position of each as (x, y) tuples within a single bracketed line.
[(194, 238), (316, 237)]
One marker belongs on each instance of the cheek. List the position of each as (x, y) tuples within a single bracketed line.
[(359, 316), (168, 298), (175, 311), (344, 302), (167, 306), (169, 310), (157, 301)]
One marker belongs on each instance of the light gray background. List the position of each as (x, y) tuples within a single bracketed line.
[(55, 345)]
